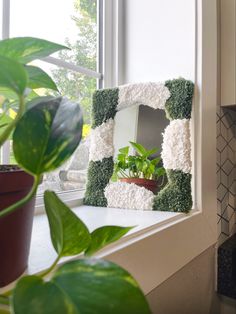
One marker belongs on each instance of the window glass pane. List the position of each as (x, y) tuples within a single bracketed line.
[(69, 22)]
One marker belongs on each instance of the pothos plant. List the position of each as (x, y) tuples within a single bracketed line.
[(46, 131), (139, 165)]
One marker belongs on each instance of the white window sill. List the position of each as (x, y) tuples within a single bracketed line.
[(42, 253), (159, 245)]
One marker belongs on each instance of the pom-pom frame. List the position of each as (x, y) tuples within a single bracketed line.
[(175, 97)]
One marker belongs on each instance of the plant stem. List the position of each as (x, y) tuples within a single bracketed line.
[(47, 271), (24, 200), (123, 174), (6, 133), (4, 300)]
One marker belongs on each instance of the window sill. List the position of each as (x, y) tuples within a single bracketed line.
[(159, 245), (42, 253)]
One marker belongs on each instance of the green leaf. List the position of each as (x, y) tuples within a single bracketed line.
[(124, 150), (69, 234), (139, 148), (155, 161), (121, 157), (160, 171), (47, 135), (5, 119), (151, 152), (104, 236), (8, 93), (34, 296), (12, 75), (139, 164), (39, 79), (27, 49), (4, 122), (31, 95), (38, 100), (101, 287)]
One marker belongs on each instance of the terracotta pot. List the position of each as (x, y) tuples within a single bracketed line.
[(15, 228), (146, 183)]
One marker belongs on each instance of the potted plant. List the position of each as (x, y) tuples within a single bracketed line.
[(18, 80), (139, 169), (45, 133)]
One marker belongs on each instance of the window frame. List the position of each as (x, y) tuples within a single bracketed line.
[(72, 197)]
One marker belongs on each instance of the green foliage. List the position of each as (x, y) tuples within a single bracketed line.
[(179, 105), (69, 234), (83, 52), (81, 287), (59, 123), (71, 287), (87, 7), (99, 174), (138, 166), (104, 105), (112, 290), (15, 78), (12, 75), (39, 79), (33, 295), (104, 236), (47, 131), (176, 195), (27, 49)]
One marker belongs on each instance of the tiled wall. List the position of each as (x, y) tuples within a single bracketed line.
[(226, 173)]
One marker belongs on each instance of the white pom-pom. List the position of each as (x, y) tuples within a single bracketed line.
[(176, 147), (150, 94), (128, 196), (101, 141)]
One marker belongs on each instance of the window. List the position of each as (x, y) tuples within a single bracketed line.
[(76, 24)]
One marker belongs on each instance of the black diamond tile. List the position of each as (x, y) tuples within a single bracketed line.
[(221, 143), (230, 133), (227, 119), (228, 166), (232, 144), (232, 188), (223, 178), (222, 192)]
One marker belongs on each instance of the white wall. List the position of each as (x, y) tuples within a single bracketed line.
[(159, 44), (159, 40)]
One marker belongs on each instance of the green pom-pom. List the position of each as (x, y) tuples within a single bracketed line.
[(176, 195), (99, 174), (104, 105), (95, 198), (179, 105)]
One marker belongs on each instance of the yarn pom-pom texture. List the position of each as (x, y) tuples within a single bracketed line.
[(173, 96)]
